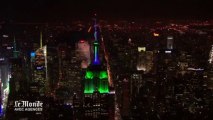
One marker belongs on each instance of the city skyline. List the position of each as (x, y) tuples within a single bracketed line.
[(106, 60)]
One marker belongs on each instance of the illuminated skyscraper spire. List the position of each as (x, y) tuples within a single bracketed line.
[(95, 30), (96, 77), (96, 60)]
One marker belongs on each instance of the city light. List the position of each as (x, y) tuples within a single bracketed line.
[(95, 35), (82, 41), (88, 91), (170, 38), (211, 55), (156, 34), (2, 59), (96, 56), (140, 49), (32, 54), (195, 69), (104, 89), (103, 75), (89, 75), (5, 36), (39, 67), (107, 69), (83, 49), (168, 51), (1, 110), (89, 29), (102, 78), (88, 86)]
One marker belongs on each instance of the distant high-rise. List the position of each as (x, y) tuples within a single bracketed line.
[(210, 71), (170, 41), (40, 74), (125, 96), (4, 80), (15, 52), (16, 85), (145, 61), (69, 73), (40, 70), (10, 69), (211, 55)]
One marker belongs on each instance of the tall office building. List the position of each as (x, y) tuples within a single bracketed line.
[(145, 61), (40, 83), (170, 41), (15, 51), (70, 77), (125, 98), (210, 70), (16, 81), (53, 67), (96, 85), (40, 70), (4, 83), (10, 71)]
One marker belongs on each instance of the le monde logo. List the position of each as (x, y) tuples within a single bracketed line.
[(28, 106)]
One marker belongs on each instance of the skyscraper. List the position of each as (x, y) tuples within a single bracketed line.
[(40, 70), (170, 41), (96, 77), (40, 76), (96, 86), (210, 70)]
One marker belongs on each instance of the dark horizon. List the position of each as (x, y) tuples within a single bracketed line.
[(56, 10)]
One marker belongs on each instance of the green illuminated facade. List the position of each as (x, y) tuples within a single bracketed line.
[(96, 77), (96, 81)]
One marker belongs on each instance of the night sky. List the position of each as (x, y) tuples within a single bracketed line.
[(68, 9)]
